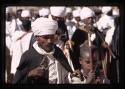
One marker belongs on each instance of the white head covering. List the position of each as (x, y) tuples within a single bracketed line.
[(59, 11), (86, 12), (106, 9), (68, 10), (25, 13), (115, 12), (44, 12), (76, 13), (44, 26)]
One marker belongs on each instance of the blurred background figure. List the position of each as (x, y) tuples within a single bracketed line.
[(86, 15), (44, 63), (69, 23), (18, 19), (21, 40), (76, 17), (8, 29), (106, 25), (44, 12), (58, 14)]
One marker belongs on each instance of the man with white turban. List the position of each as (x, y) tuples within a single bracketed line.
[(69, 23), (76, 18), (24, 15), (44, 63), (76, 15), (63, 34), (58, 14)]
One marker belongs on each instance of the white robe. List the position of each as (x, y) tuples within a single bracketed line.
[(70, 27), (19, 47), (106, 22), (8, 35)]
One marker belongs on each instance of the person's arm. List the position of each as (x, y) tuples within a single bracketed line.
[(90, 78)]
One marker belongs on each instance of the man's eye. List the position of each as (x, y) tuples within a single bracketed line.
[(45, 37)]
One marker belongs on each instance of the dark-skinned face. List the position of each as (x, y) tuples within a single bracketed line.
[(85, 63), (57, 18), (46, 42), (77, 19), (88, 21), (69, 16)]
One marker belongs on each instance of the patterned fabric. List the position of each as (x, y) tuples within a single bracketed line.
[(52, 63)]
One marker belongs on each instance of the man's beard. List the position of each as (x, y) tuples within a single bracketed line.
[(48, 48)]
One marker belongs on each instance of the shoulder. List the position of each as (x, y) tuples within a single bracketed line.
[(31, 53)]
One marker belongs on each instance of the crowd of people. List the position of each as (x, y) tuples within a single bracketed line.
[(62, 45)]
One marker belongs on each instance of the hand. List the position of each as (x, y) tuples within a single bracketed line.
[(36, 72), (90, 77), (76, 77), (76, 73)]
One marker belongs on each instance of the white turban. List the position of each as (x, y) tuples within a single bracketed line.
[(86, 13), (25, 13), (44, 12), (44, 26), (106, 9), (115, 12), (76, 13), (68, 10), (59, 11)]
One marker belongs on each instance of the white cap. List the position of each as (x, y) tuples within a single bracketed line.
[(76, 13), (44, 12), (59, 11), (68, 10), (106, 9), (25, 13), (44, 26), (86, 13), (115, 12)]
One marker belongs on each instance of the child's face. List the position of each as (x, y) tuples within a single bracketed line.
[(86, 63)]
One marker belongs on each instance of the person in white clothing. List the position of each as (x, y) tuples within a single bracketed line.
[(106, 24), (76, 17), (69, 23), (21, 43)]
